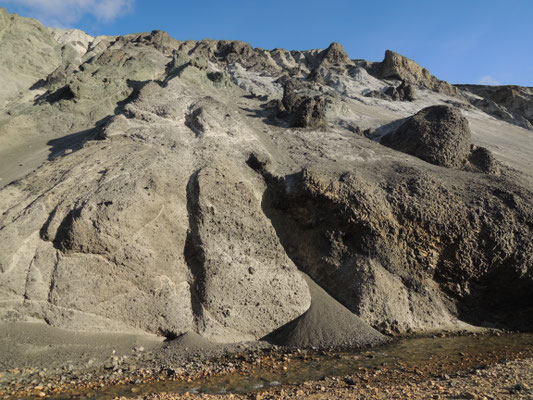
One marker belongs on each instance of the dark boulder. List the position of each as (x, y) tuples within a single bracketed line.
[(407, 92), (311, 113), (439, 135), (404, 92), (301, 106), (482, 160)]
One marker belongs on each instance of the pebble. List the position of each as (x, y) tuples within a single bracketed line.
[(349, 381)]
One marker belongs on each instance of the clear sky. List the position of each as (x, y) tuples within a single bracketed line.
[(461, 41)]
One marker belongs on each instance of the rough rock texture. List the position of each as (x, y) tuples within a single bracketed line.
[(483, 160), (149, 235), (38, 54), (233, 286), (406, 247), (160, 186), (301, 105), (438, 134), (404, 92), (513, 104), (396, 66), (500, 112)]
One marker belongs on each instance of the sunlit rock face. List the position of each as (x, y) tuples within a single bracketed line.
[(154, 185)]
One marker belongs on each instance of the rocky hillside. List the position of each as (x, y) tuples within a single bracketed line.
[(513, 104), (162, 186)]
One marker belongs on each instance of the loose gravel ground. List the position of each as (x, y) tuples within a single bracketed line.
[(507, 380), (484, 371)]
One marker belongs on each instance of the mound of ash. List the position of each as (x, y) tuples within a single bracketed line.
[(342, 328)]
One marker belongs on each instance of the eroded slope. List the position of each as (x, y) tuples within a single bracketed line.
[(196, 179)]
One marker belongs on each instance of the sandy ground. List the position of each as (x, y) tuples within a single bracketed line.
[(37, 345), (510, 144)]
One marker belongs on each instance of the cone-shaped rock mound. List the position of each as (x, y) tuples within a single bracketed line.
[(327, 323)]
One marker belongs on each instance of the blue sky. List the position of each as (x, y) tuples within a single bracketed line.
[(467, 41)]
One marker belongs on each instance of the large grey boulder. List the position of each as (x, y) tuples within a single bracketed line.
[(437, 134)]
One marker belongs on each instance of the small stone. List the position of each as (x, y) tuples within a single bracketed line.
[(517, 388), (349, 381)]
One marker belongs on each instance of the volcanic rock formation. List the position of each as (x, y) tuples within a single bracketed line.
[(513, 104), (439, 135), (396, 66), (170, 187)]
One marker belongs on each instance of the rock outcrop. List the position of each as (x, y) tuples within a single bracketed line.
[(302, 106), (404, 92), (37, 54), (170, 192), (334, 55), (406, 248), (512, 104), (396, 66), (438, 134)]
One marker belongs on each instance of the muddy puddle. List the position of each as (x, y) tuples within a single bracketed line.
[(405, 354)]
